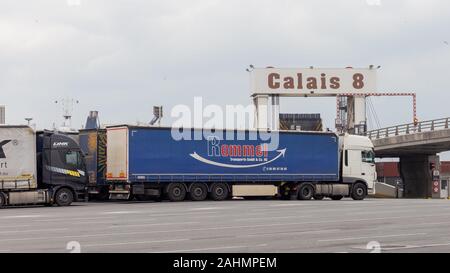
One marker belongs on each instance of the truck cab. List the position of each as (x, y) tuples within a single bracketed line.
[(61, 164), (43, 167), (358, 164)]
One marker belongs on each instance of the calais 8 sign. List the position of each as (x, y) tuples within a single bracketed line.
[(312, 81)]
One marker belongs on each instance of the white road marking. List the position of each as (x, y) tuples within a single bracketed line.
[(268, 218), (73, 219), (33, 230), (202, 249), (16, 226), (388, 248), (287, 205), (291, 233), (143, 232), (122, 212), (23, 216), (421, 246), (370, 237), (134, 243), (376, 219), (153, 224), (410, 209), (210, 208)]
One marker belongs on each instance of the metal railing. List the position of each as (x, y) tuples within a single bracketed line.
[(411, 128)]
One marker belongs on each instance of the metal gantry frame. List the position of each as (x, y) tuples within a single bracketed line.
[(342, 107), (267, 107)]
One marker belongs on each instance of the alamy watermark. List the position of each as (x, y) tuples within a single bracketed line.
[(217, 123)]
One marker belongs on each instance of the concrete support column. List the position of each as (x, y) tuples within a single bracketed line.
[(275, 113), (360, 116), (417, 176), (356, 115), (261, 103)]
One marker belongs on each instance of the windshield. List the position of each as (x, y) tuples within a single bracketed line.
[(368, 157)]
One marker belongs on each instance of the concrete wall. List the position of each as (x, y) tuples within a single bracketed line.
[(415, 171)]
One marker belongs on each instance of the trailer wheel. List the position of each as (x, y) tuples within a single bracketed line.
[(176, 192), (2, 200), (219, 191), (64, 197), (306, 192), (359, 191), (318, 197), (198, 192), (337, 197)]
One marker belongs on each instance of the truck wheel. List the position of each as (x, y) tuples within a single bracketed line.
[(359, 191), (64, 197), (2, 200), (337, 197), (198, 192), (306, 192), (318, 197), (219, 191), (176, 192)]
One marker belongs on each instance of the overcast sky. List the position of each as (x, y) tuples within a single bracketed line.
[(123, 57)]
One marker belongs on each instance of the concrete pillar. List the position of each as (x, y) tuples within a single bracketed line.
[(360, 116), (261, 103), (417, 176), (275, 113), (356, 115)]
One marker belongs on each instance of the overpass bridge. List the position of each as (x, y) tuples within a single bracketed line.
[(417, 146)]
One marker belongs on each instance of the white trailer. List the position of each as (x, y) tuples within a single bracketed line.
[(17, 158)]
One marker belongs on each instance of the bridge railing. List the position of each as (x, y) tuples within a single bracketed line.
[(410, 128)]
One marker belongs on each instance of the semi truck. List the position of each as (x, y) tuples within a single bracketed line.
[(41, 167), (155, 162)]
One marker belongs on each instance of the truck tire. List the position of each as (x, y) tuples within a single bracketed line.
[(2, 200), (359, 191), (176, 192), (64, 197), (219, 191), (198, 192), (337, 197), (305, 192), (318, 197)]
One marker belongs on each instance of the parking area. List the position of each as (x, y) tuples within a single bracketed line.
[(230, 226)]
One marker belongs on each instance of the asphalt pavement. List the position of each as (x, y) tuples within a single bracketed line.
[(274, 226)]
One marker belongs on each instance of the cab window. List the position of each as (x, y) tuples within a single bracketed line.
[(73, 158), (368, 157)]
